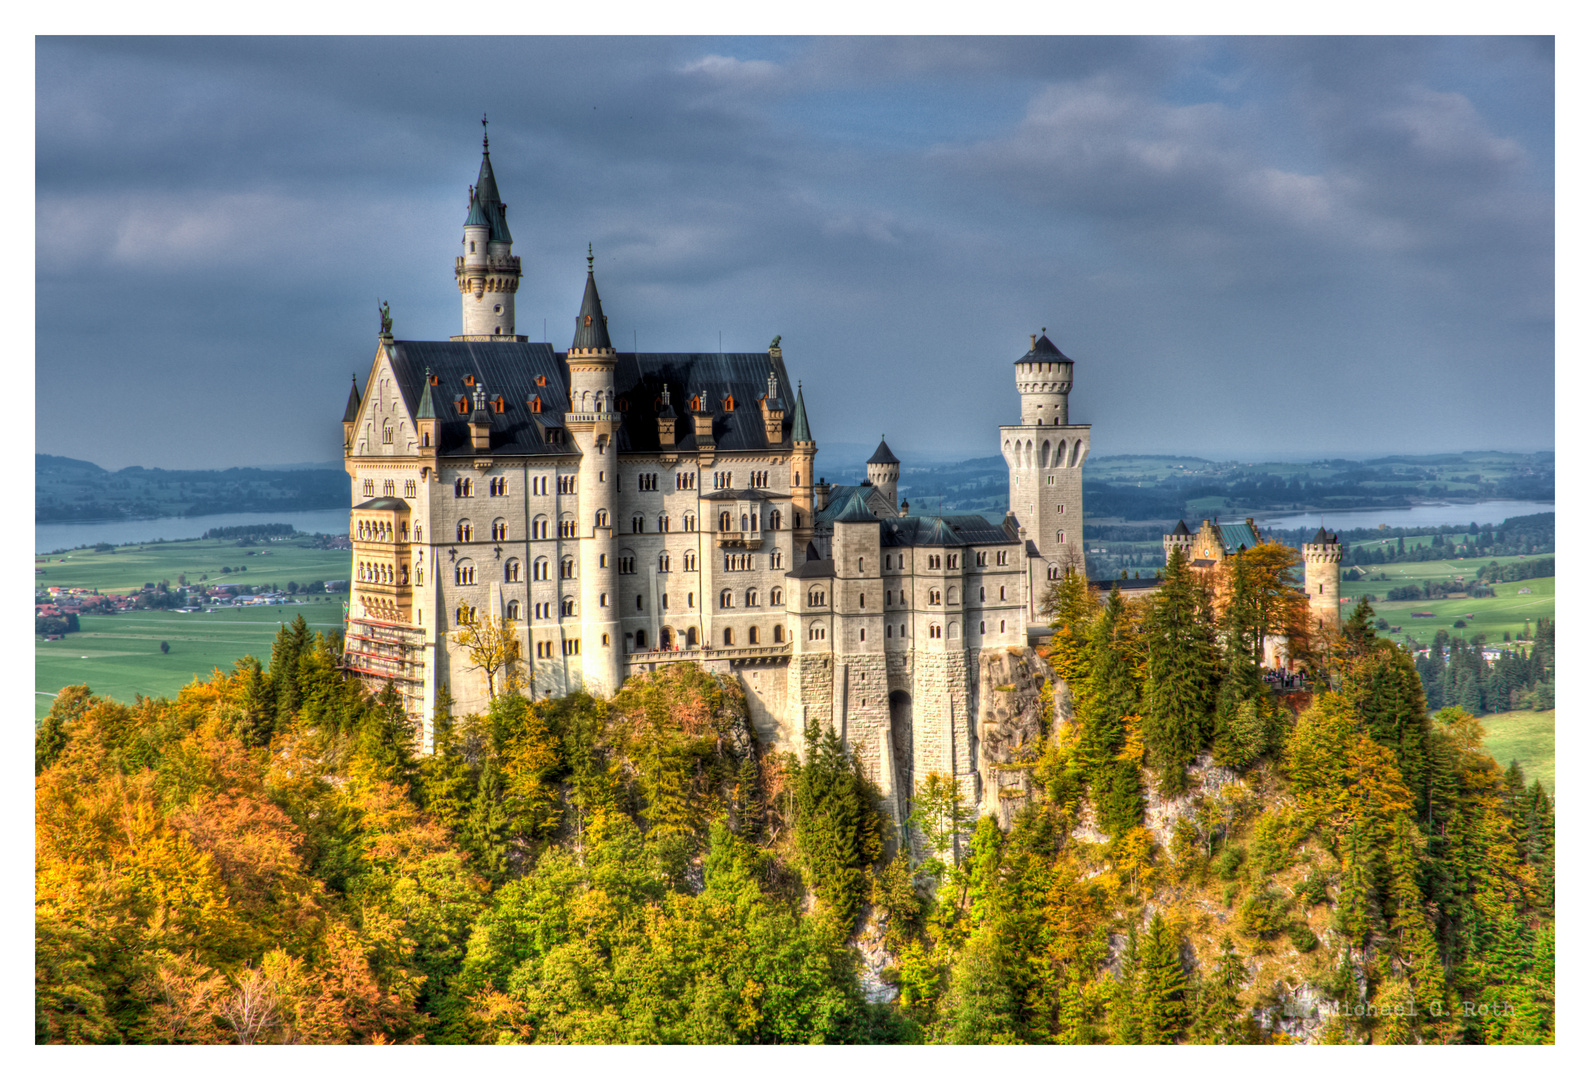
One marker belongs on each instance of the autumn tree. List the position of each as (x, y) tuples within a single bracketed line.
[(493, 648)]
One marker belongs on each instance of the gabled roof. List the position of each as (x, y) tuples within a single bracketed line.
[(952, 530), (590, 326), (1235, 538), (854, 509), (813, 567), (385, 502), (882, 455), (1181, 529), (350, 415), (1322, 537)]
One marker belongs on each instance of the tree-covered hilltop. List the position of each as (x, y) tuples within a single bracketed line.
[(263, 860)]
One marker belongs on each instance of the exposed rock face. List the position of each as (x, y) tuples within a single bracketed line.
[(1161, 814), (875, 958), (1010, 727)]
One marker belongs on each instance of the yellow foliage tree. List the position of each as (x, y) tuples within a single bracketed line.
[(493, 646)]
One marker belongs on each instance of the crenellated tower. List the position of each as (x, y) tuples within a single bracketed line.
[(1045, 453), (1322, 579), (488, 270), (593, 422), (883, 472)]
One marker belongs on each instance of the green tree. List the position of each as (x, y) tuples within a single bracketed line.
[(1182, 676), (839, 828)]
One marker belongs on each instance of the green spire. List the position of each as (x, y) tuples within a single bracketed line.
[(491, 206), (800, 431), (590, 327), (427, 409)]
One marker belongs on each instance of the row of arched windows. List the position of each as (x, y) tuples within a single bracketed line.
[(380, 532), (753, 597), (382, 574), (753, 635)]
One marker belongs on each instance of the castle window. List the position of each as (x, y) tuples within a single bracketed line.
[(567, 483), (728, 403), (469, 380), (695, 403), (862, 599), (1054, 573), (510, 570), (462, 405), (640, 602), (999, 558), (664, 563), (751, 598), (955, 562), (541, 380), (815, 598), (409, 489), (728, 635), (1001, 592), (637, 524), (726, 598), (982, 628), (935, 631), (690, 560), (419, 574), (753, 636), (775, 521), (512, 614), (982, 594), (566, 527), (464, 615), (538, 528), (419, 533), (499, 529), (778, 635), (535, 403), (863, 638), (1001, 626), (436, 380), (464, 573), (640, 639), (571, 647), (499, 485), (662, 522), (690, 523), (466, 532), (725, 522), (935, 562), (425, 439), (463, 488), (775, 596), (389, 488), (499, 405), (816, 633), (626, 564), (566, 607), (386, 434), (861, 566), (601, 519), (888, 631), (369, 489), (690, 638), (602, 600), (566, 568)]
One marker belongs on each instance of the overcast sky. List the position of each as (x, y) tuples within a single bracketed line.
[(1251, 248)]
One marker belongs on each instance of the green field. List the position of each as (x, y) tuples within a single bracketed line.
[(128, 568), (1530, 738), (119, 656), (1506, 611)]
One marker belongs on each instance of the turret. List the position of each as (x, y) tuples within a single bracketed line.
[(801, 464), (593, 423), (1043, 378), (1322, 579), (350, 415), (1179, 537), (883, 472), (425, 418), (487, 272)]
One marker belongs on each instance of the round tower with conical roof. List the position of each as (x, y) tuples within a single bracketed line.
[(883, 472), (488, 271), (593, 422)]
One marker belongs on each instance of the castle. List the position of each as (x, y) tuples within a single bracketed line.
[(618, 511)]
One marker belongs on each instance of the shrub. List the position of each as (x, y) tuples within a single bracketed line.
[(1229, 861), (1303, 939)]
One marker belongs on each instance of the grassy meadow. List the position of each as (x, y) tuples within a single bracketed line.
[(128, 567), (1506, 611), (119, 656), (1530, 738)]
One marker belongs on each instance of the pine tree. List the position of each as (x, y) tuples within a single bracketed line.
[(292, 641), (1221, 1017), (1163, 989), (1182, 675), (487, 833)]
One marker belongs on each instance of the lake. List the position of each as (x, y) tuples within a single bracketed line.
[(1490, 512), (56, 535)]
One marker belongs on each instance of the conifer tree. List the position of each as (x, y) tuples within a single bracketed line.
[(1108, 711), (1221, 1018), (292, 641), (1162, 1005), (487, 832), (1182, 675)]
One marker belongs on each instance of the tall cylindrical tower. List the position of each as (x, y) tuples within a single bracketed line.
[(488, 271), (883, 472), (1322, 578), (593, 421), (1043, 379)]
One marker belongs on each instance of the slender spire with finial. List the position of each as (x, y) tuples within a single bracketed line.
[(590, 326), (485, 138), (590, 259)]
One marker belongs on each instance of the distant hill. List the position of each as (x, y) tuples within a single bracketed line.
[(66, 489)]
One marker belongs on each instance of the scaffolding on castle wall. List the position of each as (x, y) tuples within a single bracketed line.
[(387, 653)]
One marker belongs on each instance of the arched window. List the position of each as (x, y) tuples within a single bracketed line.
[(463, 488), (745, 523), (775, 595), (690, 638), (753, 636), (816, 632), (725, 522), (862, 599), (750, 598), (726, 598), (775, 521), (778, 635), (466, 532), (728, 635), (566, 527), (637, 524), (464, 573), (566, 569), (815, 598), (566, 607), (690, 560), (499, 529), (934, 630), (982, 594), (1043, 455), (662, 522), (464, 615), (601, 519), (499, 484), (934, 597), (512, 612), (538, 528), (542, 570)]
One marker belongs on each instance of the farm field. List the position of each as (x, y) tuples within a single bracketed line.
[(128, 568), (119, 656), (1530, 738), (1506, 611)]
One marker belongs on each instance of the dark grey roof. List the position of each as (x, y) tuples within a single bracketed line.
[(486, 192), (427, 409), (590, 325), (813, 567), (510, 368), (477, 216), (853, 509), (639, 380), (882, 455), (1181, 529), (1044, 349), (1322, 537), (743, 493), (954, 530), (800, 430), (385, 502), (351, 413)]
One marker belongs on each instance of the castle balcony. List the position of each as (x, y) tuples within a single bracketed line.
[(500, 263), (734, 655), (592, 417), (749, 541)]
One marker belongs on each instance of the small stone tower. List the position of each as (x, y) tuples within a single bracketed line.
[(1322, 579), (1179, 537), (1045, 453), (883, 473), (488, 270), (593, 422), (802, 464)]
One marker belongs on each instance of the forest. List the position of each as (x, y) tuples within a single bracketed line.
[(265, 859)]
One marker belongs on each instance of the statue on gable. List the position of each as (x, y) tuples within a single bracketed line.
[(386, 319)]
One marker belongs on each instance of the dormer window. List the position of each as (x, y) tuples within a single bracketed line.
[(728, 403), (541, 380), (436, 380), (535, 403), (469, 380), (695, 403), (499, 405), (463, 406)]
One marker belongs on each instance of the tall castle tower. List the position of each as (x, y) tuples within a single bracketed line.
[(1045, 453), (488, 271), (1322, 579), (593, 420)]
